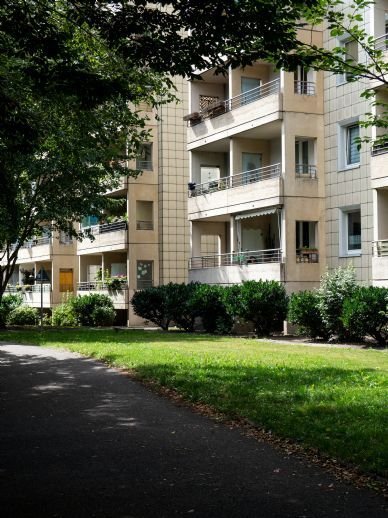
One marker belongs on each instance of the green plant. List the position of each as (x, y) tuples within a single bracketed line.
[(364, 313), (103, 316), (152, 304), (264, 303), (303, 311), (64, 315), (8, 304), (84, 307), (180, 305), (116, 282), (211, 304), (23, 316), (335, 287)]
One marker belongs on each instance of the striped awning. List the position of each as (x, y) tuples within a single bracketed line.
[(261, 212)]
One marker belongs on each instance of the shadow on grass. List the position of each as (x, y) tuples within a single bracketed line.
[(342, 412)]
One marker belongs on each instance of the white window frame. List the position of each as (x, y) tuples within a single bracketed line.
[(344, 231), (343, 145)]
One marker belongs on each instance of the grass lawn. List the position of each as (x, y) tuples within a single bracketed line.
[(328, 398)]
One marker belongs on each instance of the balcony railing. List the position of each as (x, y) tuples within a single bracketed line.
[(144, 225), (306, 171), (249, 257), (381, 43), (380, 248), (30, 243), (379, 149), (34, 288), (98, 286), (304, 87), (144, 165), (304, 255), (142, 284), (220, 107), (237, 180), (107, 227)]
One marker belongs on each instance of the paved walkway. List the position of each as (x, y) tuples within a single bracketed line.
[(78, 439)]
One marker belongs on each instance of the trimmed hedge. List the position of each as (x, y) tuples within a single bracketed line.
[(303, 310), (23, 316)]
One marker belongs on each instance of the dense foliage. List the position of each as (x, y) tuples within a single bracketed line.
[(23, 316), (7, 305), (303, 310), (94, 309)]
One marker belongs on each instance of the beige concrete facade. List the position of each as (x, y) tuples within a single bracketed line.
[(256, 148)]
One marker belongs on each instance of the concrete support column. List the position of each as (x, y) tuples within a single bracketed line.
[(195, 239)]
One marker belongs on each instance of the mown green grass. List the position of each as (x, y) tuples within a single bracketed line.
[(328, 398)]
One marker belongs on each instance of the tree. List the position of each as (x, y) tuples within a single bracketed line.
[(72, 75)]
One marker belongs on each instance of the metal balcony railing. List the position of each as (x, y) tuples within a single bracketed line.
[(306, 171), (379, 149), (304, 255), (98, 285), (381, 43), (35, 288), (144, 225), (304, 87), (30, 243), (107, 227), (220, 107), (380, 248), (144, 165), (249, 257), (237, 180)]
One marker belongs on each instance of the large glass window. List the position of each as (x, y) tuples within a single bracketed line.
[(144, 160), (350, 231)]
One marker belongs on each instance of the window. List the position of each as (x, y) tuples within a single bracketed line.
[(251, 164), (350, 55), (144, 274), (144, 160), (304, 81), (348, 147), (350, 231), (306, 248), (250, 90), (352, 151), (144, 215), (305, 158)]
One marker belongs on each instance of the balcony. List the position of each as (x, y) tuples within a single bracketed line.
[(33, 295), (107, 237), (234, 268), (306, 255), (381, 43), (35, 249), (380, 263), (118, 296), (257, 188), (379, 165), (228, 117)]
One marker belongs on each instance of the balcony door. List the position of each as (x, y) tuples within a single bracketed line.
[(251, 163), (66, 281), (250, 90)]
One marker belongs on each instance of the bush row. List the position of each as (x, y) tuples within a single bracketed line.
[(341, 309), (263, 303), (89, 310)]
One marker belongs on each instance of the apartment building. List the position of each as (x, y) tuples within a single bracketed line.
[(256, 199), (278, 187), (143, 242), (146, 242), (356, 186)]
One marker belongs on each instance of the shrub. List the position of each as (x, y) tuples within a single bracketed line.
[(180, 304), (211, 304), (365, 313), (335, 287), (86, 308), (23, 316), (103, 316), (151, 304), (265, 304), (9, 303), (303, 311), (64, 315)]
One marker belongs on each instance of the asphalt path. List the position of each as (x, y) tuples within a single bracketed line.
[(79, 439)]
